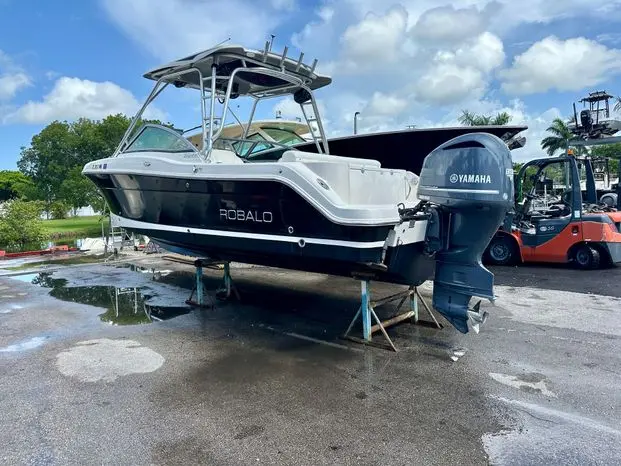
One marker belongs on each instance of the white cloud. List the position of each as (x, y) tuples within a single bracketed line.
[(450, 24), (485, 52), (564, 65), (72, 98), (175, 28), (383, 104), (461, 73), (449, 83), (375, 39), (12, 77), (509, 14), (11, 84)]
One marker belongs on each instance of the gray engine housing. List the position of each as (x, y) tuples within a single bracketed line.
[(468, 181)]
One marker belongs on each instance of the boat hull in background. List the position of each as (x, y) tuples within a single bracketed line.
[(404, 150)]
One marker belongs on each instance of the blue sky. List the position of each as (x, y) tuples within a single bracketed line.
[(401, 63)]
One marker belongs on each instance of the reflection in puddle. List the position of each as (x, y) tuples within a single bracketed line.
[(125, 306)]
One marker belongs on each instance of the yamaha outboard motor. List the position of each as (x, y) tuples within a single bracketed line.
[(469, 183), (586, 120)]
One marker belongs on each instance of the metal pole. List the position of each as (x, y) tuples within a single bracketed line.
[(356, 122), (212, 109), (199, 285), (366, 311)]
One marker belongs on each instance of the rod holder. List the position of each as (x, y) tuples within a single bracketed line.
[(284, 55), (312, 70), (297, 67), (266, 51)]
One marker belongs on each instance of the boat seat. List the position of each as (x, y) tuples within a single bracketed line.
[(225, 156), (299, 156)]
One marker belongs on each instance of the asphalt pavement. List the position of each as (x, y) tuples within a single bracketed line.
[(268, 380)]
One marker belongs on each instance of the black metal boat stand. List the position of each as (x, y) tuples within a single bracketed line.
[(367, 310), (221, 293)]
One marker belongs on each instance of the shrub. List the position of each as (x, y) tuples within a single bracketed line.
[(20, 223), (58, 210)]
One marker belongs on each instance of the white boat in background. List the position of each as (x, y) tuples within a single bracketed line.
[(595, 122)]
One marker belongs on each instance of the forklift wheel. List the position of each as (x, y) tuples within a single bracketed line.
[(586, 257), (500, 251)]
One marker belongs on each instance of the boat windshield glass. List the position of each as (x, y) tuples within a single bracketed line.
[(283, 136), (160, 139), (245, 148), (255, 143)]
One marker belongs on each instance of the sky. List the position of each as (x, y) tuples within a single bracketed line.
[(401, 63)]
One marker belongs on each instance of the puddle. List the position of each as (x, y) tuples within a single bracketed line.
[(25, 264), (32, 343), (124, 306), (532, 383)]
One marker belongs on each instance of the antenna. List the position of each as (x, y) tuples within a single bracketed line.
[(271, 41), (224, 41)]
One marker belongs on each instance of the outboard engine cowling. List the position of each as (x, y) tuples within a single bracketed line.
[(469, 181), (586, 120)]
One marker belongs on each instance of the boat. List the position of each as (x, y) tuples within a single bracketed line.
[(315, 210), (595, 122)]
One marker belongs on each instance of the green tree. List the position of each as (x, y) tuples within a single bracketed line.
[(468, 118), (13, 185), (78, 191), (20, 223), (56, 156), (560, 139), (58, 209), (47, 159), (609, 151)]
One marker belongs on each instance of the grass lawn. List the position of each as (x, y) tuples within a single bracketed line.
[(74, 227)]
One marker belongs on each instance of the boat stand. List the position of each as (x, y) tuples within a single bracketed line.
[(367, 309), (223, 293)]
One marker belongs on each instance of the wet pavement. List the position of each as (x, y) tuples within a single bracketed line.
[(268, 380)]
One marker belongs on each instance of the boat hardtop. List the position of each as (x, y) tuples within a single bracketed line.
[(231, 60)]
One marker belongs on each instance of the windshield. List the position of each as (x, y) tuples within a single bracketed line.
[(283, 136), (160, 139)]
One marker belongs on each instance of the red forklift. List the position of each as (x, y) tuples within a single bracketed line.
[(554, 221)]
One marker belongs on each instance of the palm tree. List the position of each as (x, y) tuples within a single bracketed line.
[(468, 118), (560, 139)]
